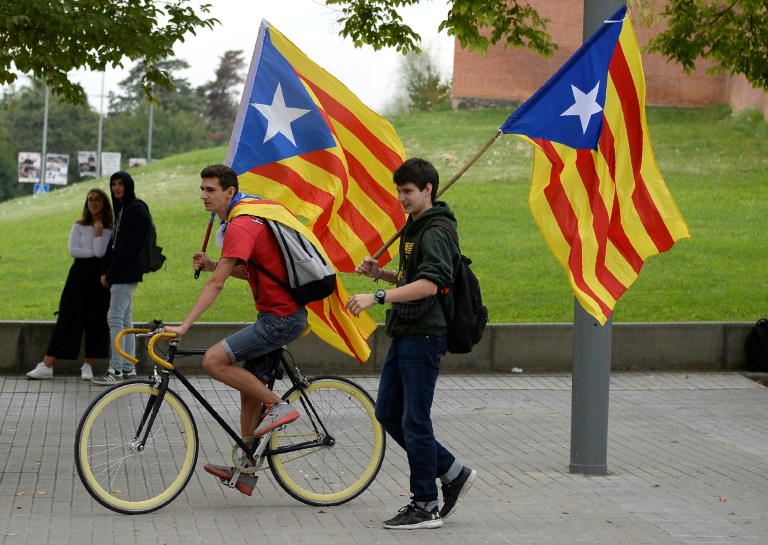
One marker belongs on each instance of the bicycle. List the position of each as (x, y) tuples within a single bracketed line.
[(136, 445)]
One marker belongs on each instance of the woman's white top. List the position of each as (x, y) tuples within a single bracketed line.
[(83, 241)]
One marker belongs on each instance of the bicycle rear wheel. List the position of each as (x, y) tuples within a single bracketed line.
[(118, 474), (336, 467)]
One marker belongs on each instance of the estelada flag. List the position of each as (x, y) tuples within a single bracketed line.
[(596, 190), (303, 139)]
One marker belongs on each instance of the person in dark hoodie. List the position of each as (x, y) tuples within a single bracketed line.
[(121, 272), (429, 260)]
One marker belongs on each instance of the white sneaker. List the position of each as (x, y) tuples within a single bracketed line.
[(41, 372), (130, 376), (86, 372)]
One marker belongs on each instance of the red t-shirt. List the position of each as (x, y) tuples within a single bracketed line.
[(249, 237)]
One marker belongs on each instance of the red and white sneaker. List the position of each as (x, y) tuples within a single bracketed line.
[(278, 414), (245, 481)]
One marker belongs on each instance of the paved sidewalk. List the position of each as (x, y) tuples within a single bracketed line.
[(687, 455)]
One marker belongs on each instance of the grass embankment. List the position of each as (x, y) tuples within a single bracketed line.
[(714, 164)]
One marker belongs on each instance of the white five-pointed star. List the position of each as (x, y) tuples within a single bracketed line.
[(585, 106), (279, 116)]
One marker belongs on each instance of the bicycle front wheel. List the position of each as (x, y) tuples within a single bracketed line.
[(343, 443), (118, 473)]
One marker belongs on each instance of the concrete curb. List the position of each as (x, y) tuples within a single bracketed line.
[(534, 348)]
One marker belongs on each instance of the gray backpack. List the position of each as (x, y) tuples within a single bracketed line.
[(310, 276)]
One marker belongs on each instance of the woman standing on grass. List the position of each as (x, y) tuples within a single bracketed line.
[(84, 301)]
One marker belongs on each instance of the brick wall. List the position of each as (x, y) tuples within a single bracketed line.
[(507, 77)]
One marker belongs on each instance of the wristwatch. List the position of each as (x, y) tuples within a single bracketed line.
[(378, 297)]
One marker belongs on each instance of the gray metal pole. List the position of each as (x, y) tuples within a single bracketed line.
[(43, 162), (101, 124), (591, 344), (149, 140)]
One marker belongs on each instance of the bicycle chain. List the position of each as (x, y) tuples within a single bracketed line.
[(250, 469)]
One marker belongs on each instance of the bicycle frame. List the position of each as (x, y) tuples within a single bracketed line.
[(162, 384)]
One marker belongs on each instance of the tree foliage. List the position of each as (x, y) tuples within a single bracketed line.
[(420, 76), (732, 34), (47, 40), (474, 23), (181, 98), (222, 94)]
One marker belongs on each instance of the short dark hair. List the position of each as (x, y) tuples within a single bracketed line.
[(419, 172), (226, 176)]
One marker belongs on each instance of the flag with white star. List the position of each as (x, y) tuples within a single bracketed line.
[(596, 190), (305, 141)]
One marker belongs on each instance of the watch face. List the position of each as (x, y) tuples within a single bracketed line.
[(379, 295)]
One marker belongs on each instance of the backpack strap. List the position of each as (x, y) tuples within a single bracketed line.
[(455, 236)]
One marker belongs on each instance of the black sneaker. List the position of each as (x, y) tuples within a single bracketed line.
[(455, 490), (413, 517)]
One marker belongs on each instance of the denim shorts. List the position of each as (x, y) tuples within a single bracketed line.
[(267, 334)]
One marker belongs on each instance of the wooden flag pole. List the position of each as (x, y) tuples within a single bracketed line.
[(205, 240), (442, 190)]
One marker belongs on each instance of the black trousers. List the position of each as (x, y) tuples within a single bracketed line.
[(82, 311)]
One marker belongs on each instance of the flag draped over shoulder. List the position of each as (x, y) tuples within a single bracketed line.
[(328, 318), (596, 191), (303, 139)]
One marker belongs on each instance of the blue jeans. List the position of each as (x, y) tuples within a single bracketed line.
[(267, 334), (119, 318), (404, 404)]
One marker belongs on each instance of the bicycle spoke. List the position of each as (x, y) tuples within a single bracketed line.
[(118, 473), (348, 459)]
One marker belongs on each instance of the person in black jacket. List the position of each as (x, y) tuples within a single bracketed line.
[(122, 271)]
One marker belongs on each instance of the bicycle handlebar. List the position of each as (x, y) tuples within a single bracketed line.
[(150, 348)]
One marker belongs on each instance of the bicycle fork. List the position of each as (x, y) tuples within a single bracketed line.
[(150, 413)]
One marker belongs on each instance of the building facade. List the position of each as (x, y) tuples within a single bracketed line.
[(508, 77)]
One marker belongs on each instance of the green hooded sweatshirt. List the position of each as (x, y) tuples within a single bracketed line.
[(430, 254)]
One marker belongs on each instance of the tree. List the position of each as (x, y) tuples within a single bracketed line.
[(731, 33), (222, 95), (474, 23), (181, 98), (173, 132), (49, 39), (422, 83), (70, 128)]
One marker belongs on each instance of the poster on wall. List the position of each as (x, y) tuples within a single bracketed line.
[(29, 167), (56, 168), (110, 162), (86, 161), (134, 162)]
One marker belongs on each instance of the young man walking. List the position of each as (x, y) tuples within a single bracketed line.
[(248, 241), (416, 323)]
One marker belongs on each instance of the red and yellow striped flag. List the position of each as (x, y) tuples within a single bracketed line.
[(596, 191), (303, 139)]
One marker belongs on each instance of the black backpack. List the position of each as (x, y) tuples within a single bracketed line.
[(151, 256), (469, 314), (756, 347)]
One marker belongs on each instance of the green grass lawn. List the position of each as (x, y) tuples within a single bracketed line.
[(714, 164)]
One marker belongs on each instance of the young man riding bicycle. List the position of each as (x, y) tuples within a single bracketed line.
[(247, 241)]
